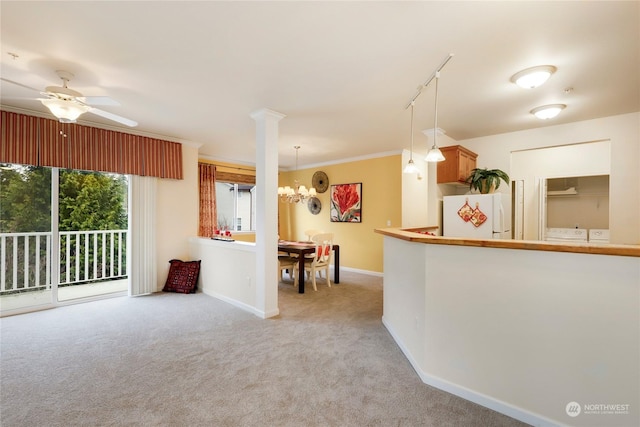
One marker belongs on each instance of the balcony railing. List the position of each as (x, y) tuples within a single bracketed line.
[(84, 257)]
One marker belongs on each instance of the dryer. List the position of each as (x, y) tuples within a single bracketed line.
[(598, 235)]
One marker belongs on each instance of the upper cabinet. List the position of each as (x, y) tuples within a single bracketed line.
[(457, 166)]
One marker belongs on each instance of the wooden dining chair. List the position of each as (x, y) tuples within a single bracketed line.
[(321, 259), (287, 263), (311, 233)]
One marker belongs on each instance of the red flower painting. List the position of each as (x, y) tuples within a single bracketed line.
[(346, 202)]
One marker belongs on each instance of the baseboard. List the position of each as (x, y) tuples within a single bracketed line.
[(357, 270), (16, 311), (243, 306), (481, 399)]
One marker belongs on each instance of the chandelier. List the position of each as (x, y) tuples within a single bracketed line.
[(297, 194)]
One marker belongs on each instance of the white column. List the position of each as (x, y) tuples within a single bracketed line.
[(267, 210)]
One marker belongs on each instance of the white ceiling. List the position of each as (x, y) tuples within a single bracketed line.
[(342, 72)]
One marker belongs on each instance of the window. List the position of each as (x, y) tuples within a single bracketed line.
[(235, 204)]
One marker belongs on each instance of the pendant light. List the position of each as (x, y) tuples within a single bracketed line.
[(434, 154), (411, 166)]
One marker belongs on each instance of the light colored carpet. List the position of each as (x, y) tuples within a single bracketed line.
[(192, 360)]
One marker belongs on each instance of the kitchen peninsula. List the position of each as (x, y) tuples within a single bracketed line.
[(521, 327)]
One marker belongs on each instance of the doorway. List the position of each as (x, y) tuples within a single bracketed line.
[(576, 205)]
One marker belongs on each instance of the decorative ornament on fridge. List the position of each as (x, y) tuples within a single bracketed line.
[(478, 217), (466, 211)]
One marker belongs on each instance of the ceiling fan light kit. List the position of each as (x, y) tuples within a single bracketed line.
[(67, 111)]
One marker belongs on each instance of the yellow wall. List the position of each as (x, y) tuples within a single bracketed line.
[(360, 247), (244, 237)]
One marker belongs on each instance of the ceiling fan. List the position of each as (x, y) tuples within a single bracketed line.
[(67, 104)]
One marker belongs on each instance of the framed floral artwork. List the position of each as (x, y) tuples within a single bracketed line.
[(346, 202)]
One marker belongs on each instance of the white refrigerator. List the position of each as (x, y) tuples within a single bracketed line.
[(477, 216)]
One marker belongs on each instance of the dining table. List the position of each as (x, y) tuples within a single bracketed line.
[(303, 248)]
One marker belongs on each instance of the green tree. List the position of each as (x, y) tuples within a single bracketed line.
[(25, 199), (87, 201), (92, 201)]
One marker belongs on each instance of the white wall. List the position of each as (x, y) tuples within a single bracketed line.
[(224, 273), (523, 332), (624, 133), (177, 214), (414, 192), (422, 198)]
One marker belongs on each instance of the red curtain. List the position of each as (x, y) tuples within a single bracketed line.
[(208, 213), (172, 168), (54, 145), (131, 156), (44, 142), (23, 131)]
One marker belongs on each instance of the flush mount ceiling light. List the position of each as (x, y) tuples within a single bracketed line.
[(548, 111), (534, 76)]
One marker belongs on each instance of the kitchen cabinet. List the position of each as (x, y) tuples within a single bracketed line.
[(457, 166)]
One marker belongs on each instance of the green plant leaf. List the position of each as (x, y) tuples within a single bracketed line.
[(483, 177)]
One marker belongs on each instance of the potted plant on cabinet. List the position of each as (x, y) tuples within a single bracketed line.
[(486, 180)]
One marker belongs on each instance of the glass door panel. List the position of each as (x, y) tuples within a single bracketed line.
[(25, 238), (92, 234)]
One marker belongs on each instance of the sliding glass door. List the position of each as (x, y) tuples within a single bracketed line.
[(63, 236)]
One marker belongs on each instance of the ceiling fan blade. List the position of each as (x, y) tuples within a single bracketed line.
[(21, 98), (19, 84), (98, 100), (113, 117)]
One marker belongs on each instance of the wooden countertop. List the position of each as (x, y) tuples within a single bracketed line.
[(583, 248)]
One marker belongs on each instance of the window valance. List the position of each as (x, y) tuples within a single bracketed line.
[(234, 177), (44, 142), (226, 172)]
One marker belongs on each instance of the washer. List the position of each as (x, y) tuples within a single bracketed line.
[(567, 235)]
